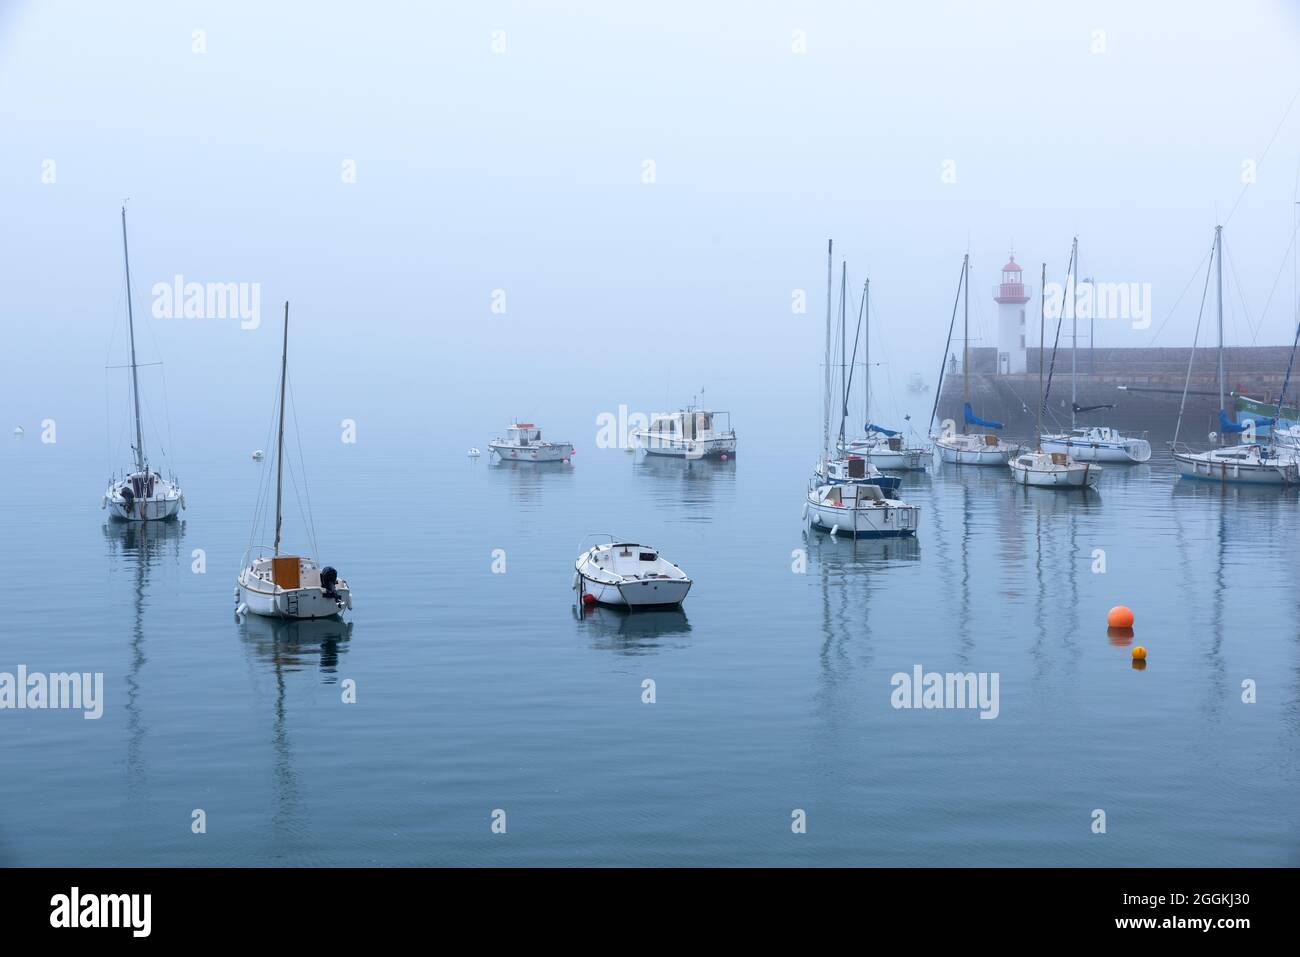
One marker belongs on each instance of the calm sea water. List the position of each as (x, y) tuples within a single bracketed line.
[(479, 691)]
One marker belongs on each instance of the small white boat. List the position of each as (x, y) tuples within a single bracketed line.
[(287, 586), (1098, 443), (259, 455), (18, 430), (141, 495), (523, 443), (628, 574), (890, 452), (974, 449), (860, 511), (1248, 464), (473, 453), (917, 384), (1044, 469), (688, 434)]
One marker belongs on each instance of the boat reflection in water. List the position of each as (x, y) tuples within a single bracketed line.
[(633, 633), (291, 645)]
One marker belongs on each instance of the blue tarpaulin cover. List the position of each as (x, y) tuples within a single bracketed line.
[(973, 419), (1228, 425), (872, 427)]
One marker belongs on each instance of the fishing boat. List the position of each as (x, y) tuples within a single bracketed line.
[(964, 447), (1096, 443), (523, 443), (1251, 463), (287, 586), (628, 574), (1043, 468), (141, 494), (860, 511), (690, 433), (917, 385)]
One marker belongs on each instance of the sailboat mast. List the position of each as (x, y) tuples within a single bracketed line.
[(965, 338), (279, 446), (844, 348), (826, 398), (1042, 332), (135, 376), (866, 356), (1074, 329), (1218, 288)]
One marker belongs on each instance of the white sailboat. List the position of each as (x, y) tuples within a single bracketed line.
[(884, 448), (142, 494), (1044, 468), (969, 448), (847, 493), (1097, 443), (1250, 463), (287, 586)]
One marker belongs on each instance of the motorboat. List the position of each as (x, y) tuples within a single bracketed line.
[(628, 574), (523, 443), (690, 433)]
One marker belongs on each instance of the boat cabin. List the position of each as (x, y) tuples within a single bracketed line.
[(687, 425), (523, 434), (850, 496)]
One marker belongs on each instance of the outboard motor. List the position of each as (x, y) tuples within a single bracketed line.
[(128, 498), (328, 579)]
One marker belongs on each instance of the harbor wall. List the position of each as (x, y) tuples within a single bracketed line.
[(1145, 386)]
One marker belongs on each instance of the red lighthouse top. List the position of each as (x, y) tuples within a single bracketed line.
[(1012, 288)]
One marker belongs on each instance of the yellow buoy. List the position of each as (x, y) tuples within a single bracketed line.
[(1139, 653)]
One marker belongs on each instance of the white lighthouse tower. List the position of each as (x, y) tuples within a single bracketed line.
[(1011, 297)]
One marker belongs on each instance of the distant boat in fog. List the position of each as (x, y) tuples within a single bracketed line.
[(523, 443), (141, 495)]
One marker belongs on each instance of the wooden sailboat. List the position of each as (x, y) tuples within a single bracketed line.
[(287, 586), (141, 494)]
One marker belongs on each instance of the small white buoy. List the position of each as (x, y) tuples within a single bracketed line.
[(258, 455), (18, 430), (473, 453)]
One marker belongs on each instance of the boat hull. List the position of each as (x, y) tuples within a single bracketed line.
[(872, 522), (295, 603), (1079, 476), (1199, 466), (689, 448), (904, 460), (636, 594), (959, 454), (557, 452), (1137, 450)]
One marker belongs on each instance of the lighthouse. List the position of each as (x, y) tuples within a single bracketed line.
[(1011, 296)]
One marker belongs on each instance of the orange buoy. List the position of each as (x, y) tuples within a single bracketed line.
[(588, 598), (1139, 653), (1121, 616)]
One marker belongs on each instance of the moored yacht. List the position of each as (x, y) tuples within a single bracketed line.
[(142, 494), (523, 443), (1098, 443), (287, 586), (688, 434), (860, 511)]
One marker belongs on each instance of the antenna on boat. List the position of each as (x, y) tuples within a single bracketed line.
[(135, 378), (279, 447)]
